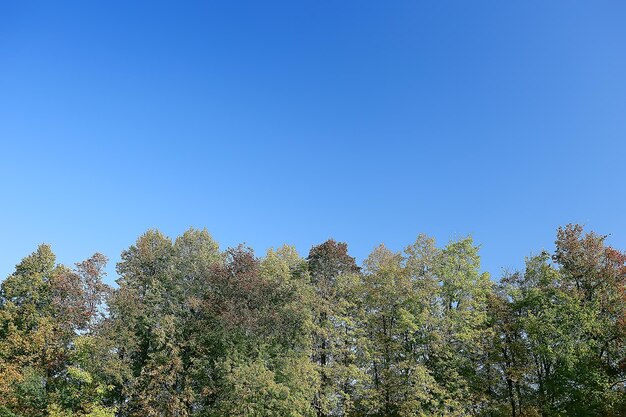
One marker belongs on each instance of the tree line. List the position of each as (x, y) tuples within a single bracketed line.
[(191, 330)]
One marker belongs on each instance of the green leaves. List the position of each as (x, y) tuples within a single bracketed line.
[(194, 331), (560, 339), (44, 310), (251, 389)]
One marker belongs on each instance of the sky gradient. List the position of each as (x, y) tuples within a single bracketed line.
[(292, 122)]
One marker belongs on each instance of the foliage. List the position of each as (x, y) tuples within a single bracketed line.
[(191, 330)]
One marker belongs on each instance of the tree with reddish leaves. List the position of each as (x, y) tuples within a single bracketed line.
[(263, 308), (594, 274), (46, 311)]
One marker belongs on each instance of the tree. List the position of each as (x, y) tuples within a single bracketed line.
[(462, 349), (153, 321), (265, 312), (44, 310), (403, 320), (329, 266), (560, 330)]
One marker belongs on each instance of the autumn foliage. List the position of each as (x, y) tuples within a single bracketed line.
[(191, 330)]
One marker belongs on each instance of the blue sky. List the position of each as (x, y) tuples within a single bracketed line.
[(292, 122)]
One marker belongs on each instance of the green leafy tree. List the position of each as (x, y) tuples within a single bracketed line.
[(153, 322), (330, 268), (403, 318), (463, 337), (560, 327)]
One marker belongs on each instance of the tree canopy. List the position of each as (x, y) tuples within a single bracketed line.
[(193, 330)]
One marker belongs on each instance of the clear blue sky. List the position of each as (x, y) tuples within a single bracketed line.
[(292, 122)]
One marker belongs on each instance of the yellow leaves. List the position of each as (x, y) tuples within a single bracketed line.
[(10, 375), (408, 320), (275, 268), (255, 390), (279, 265), (79, 375), (101, 411), (54, 410)]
